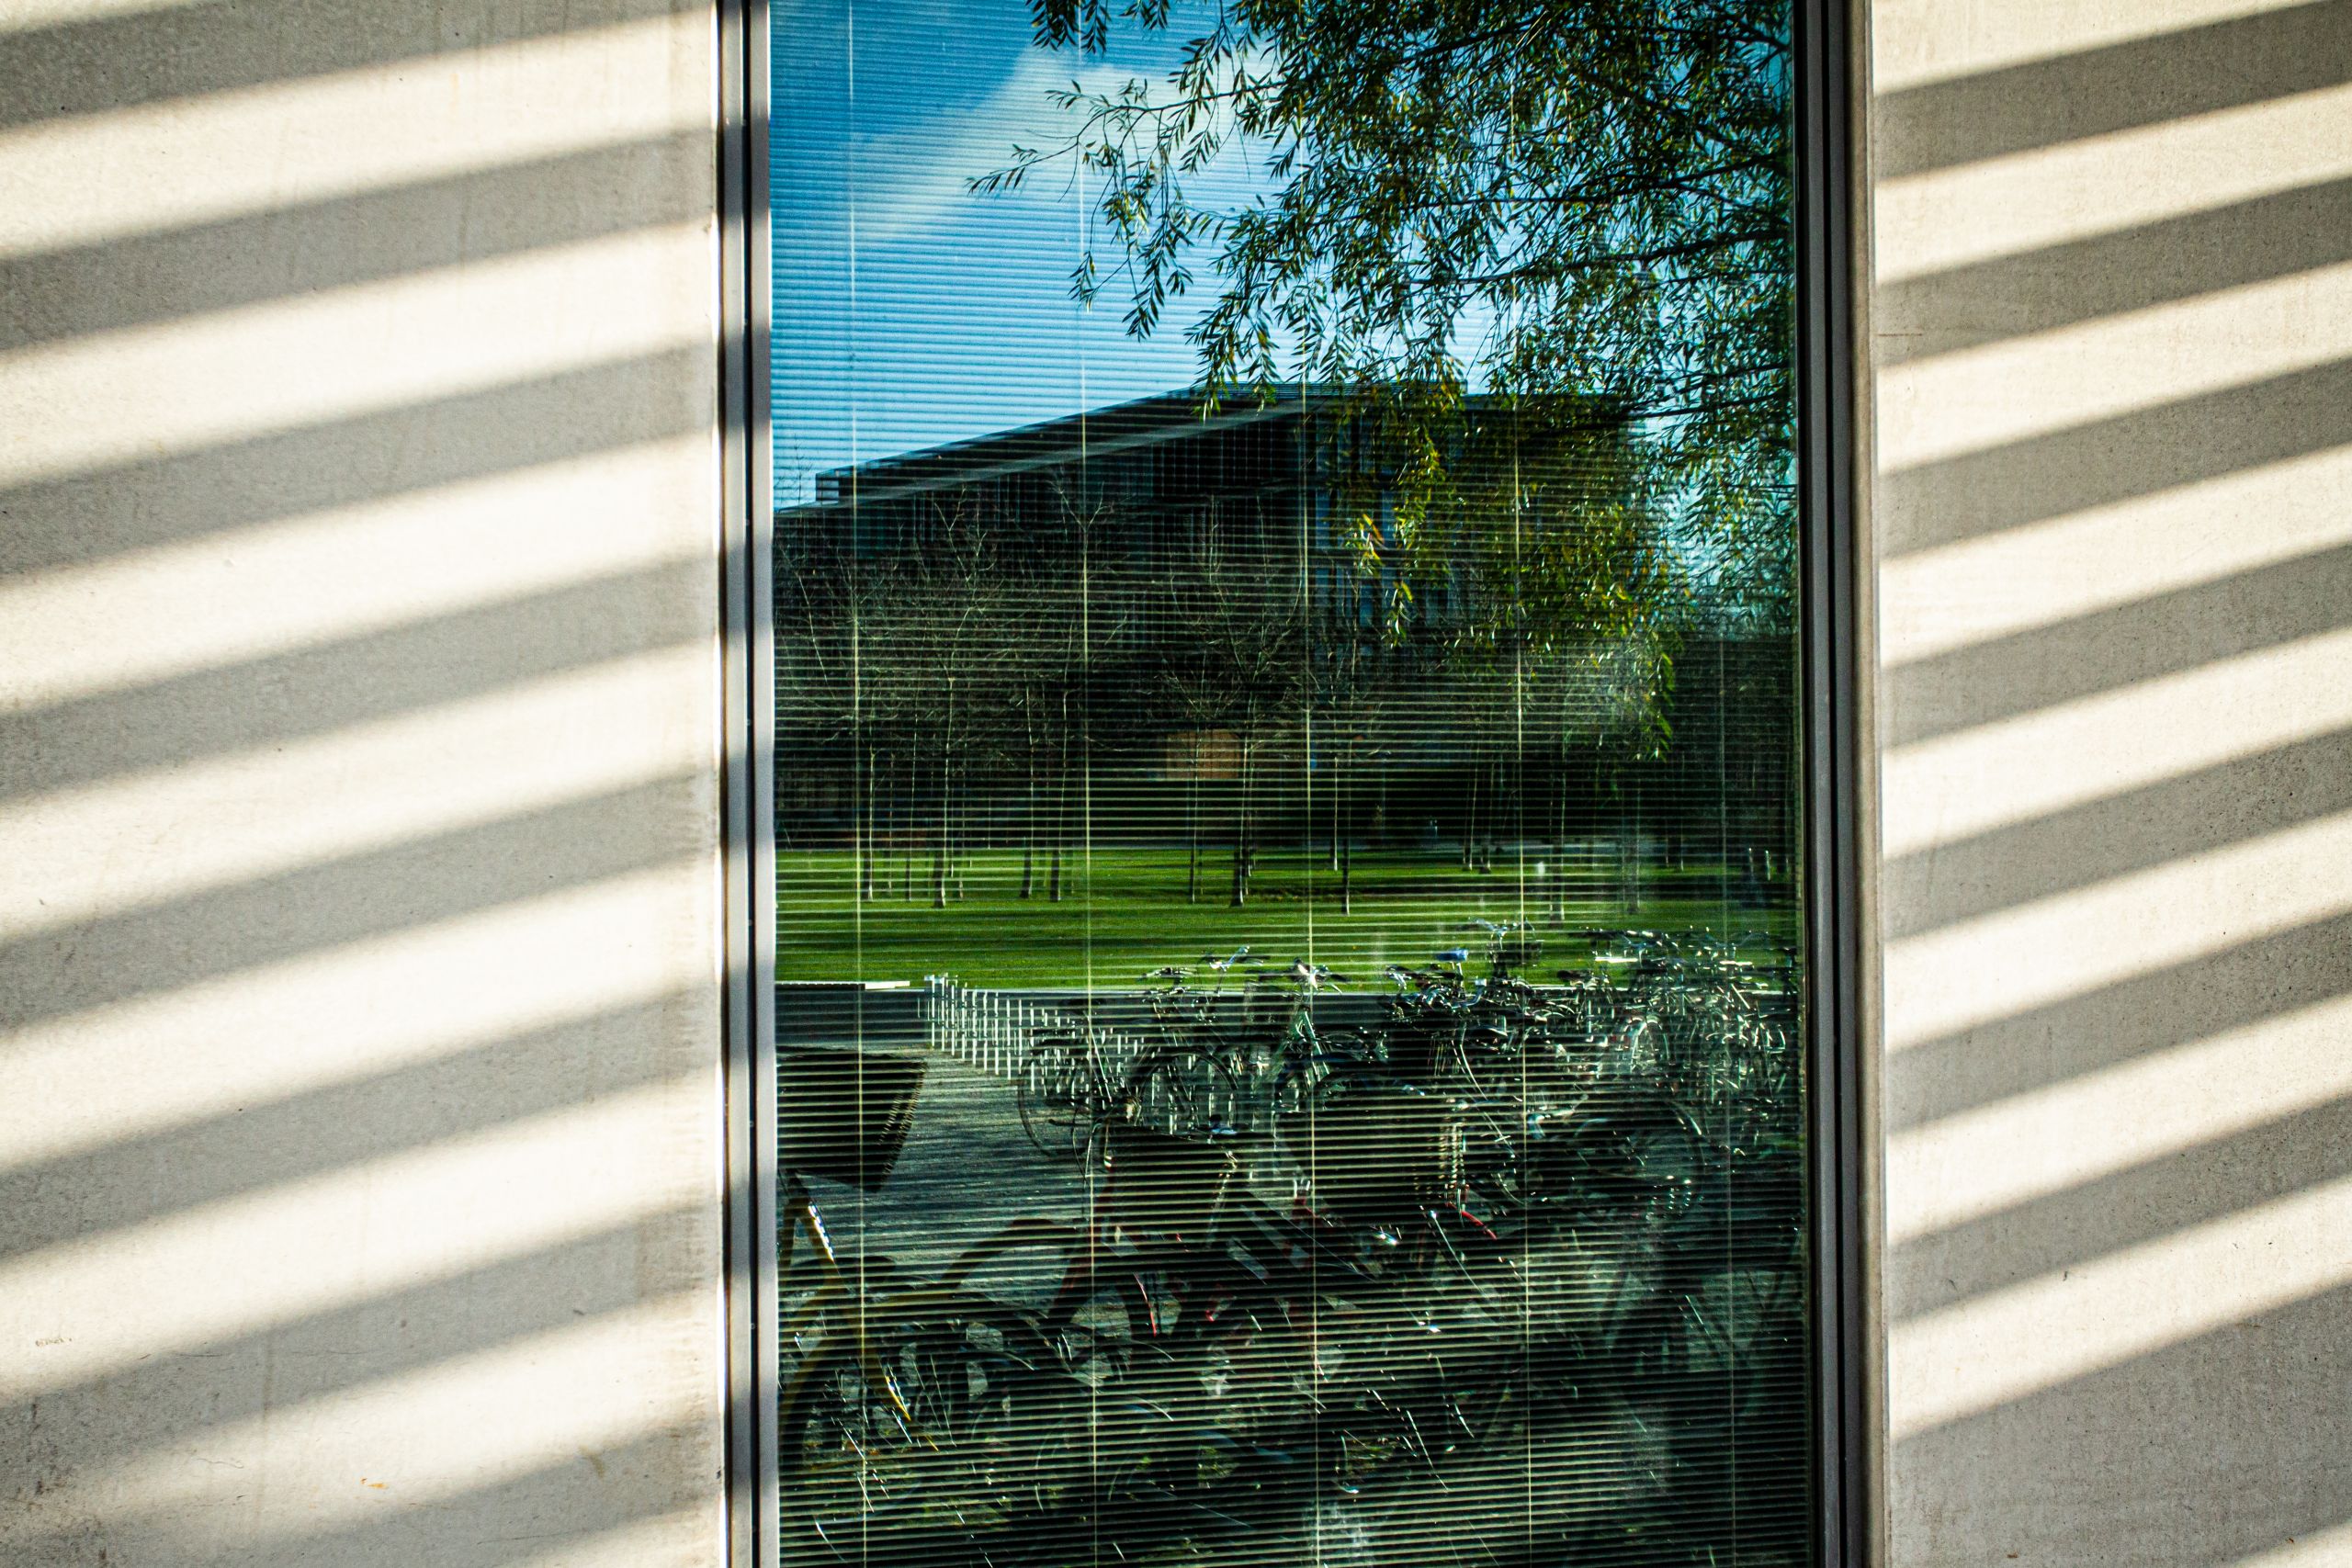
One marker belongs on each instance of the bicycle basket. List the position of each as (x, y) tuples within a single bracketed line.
[(1377, 1152), (1162, 1185), (845, 1115)]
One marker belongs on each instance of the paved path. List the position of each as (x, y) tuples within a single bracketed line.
[(966, 1172)]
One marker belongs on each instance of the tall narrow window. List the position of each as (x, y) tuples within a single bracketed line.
[(1290, 921)]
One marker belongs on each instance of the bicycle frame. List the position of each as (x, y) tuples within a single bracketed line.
[(832, 1288)]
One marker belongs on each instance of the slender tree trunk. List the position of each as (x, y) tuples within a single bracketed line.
[(905, 818), (1347, 874), (1334, 812), (942, 855), (1470, 820), (1633, 854), (1560, 840), (939, 845), (1029, 799), (1061, 806), (1244, 846), (1193, 832), (871, 848), (1493, 814)]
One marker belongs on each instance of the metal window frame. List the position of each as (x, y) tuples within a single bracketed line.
[(747, 522), (1835, 725), (1834, 729)]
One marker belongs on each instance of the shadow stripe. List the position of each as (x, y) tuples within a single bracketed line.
[(2110, 649), (2175, 75), (2140, 454), (2128, 1208), (83, 1198), (2242, 986), (2201, 1423), (2164, 823), (427, 226), (414, 884), (366, 457), (190, 51), (315, 691), (2268, 238)]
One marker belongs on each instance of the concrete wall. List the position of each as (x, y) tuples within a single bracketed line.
[(2112, 330), (359, 1138)]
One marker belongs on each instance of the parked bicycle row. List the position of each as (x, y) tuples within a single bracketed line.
[(1349, 1273)]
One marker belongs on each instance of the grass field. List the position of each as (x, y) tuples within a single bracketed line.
[(1124, 912)]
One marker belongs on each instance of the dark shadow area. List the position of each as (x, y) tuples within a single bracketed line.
[(2131, 456), (2191, 814), (2147, 1464), (346, 462), (2173, 76), (2243, 986), (2107, 650), (416, 883), (2143, 1203), (422, 227), (314, 690), (173, 51), (2222, 247), (86, 1196)]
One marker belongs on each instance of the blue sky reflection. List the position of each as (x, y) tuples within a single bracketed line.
[(910, 310)]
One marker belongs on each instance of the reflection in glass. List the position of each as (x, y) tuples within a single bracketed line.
[(1289, 1012)]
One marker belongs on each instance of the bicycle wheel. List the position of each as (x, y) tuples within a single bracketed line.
[(1624, 1158), (930, 1442), (1184, 1093), (1060, 1097)]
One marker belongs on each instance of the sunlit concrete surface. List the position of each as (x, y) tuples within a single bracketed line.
[(1945, 598), (1922, 42), (361, 1166), (251, 147), (1978, 210), (2113, 451)]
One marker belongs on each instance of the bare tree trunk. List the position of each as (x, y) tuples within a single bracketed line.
[(1335, 812), (939, 844), (1633, 854), (1061, 806), (1560, 841), (1470, 820), (1029, 799), (1244, 849), (868, 846), (1348, 875), (1192, 833), (1494, 814), (906, 816), (945, 849)]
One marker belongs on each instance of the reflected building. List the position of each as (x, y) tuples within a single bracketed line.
[(1212, 610)]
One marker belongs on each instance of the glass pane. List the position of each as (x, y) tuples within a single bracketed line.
[(1289, 1002)]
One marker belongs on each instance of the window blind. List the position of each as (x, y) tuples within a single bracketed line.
[(1290, 1016)]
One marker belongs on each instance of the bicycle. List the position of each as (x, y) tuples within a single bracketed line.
[(1069, 1088), (919, 1415)]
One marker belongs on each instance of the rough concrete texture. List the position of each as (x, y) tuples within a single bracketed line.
[(359, 1020), (2112, 338)]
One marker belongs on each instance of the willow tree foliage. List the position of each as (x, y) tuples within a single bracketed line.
[(1578, 210)]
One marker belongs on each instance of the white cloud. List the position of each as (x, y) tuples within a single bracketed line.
[(911, 177)]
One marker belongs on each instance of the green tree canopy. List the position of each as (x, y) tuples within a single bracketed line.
[(1582, 208)]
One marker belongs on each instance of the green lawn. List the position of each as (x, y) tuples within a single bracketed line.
[(1124, 912)]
